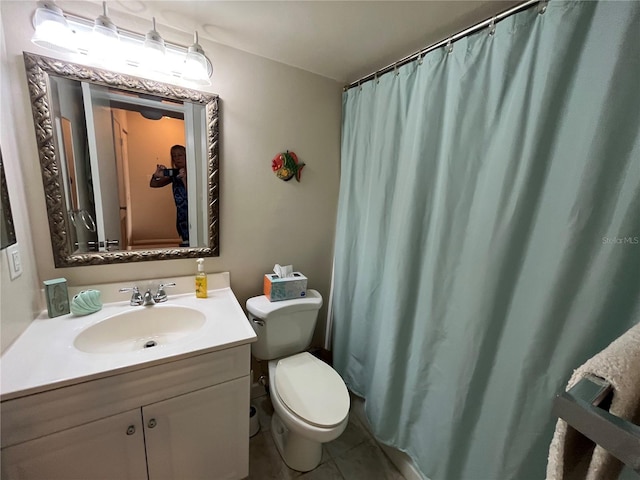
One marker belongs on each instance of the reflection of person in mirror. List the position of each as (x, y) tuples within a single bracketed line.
[(177, 177)]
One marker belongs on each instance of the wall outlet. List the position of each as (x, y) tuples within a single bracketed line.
[(14, 261)]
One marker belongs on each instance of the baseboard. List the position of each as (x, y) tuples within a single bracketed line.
[(401, 460), (403, 463)]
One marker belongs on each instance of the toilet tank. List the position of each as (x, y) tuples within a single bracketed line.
[(283, 328)]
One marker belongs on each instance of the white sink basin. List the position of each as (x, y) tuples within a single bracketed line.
[(140, 328)]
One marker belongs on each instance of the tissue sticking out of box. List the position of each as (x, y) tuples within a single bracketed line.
[(283, 272), (284, 284)]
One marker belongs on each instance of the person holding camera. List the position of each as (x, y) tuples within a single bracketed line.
[(177, 177)]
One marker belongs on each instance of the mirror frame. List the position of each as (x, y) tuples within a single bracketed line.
[(5, 207), (38, 69)]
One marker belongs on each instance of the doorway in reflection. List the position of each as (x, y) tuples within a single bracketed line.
[(149, 213)]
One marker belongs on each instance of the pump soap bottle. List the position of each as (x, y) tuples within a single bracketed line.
[(201, 280)]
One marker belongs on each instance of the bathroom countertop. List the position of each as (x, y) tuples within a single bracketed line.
[(44, 356)]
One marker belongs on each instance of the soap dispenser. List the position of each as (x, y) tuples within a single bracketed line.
[(201, 280)]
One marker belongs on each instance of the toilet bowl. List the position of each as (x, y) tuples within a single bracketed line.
[(310, 400), (311, 407)]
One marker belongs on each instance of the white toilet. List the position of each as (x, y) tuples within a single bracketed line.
[(310, 400)]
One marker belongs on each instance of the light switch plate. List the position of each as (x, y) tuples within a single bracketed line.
[(14, 262)]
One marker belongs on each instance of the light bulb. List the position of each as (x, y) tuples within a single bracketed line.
[(154, 51), (105, 41), (196, 65), (51, 29)]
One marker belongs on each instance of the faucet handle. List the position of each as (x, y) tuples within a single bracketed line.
[(161, 295), (136, 297)]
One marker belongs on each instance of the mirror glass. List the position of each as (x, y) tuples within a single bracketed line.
[(130, 166), (7, 231)]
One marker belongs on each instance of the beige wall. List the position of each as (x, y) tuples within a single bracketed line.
[(19, 299), (266, 108)]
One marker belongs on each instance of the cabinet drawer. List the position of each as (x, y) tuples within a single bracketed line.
[(44, 413)]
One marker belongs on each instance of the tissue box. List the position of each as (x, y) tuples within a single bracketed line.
[(287, 288)]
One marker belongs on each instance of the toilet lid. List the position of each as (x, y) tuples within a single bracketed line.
[(312, 390)]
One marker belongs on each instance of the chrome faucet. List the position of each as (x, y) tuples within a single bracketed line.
[(148, 298), (161, 295), (136, 297)]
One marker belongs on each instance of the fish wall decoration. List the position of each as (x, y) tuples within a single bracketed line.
[(286, 165)]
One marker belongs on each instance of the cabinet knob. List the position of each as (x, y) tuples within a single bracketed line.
[(152, 423), (131, 430)]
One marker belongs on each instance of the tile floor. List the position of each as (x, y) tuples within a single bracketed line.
[(355, 455)]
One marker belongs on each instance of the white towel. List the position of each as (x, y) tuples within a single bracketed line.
[(571, 455)]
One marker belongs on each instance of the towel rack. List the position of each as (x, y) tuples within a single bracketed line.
[(579, 407)]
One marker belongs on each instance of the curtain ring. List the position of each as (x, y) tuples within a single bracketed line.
[(449, 47), (375, 78), (72, 217), (395, 70), (542, 7), (420, 59), (492, 27), (359, 86)]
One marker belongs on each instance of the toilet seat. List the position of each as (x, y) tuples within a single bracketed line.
[(312, 390)]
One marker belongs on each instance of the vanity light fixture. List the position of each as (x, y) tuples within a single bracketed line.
[(106, 45), (105, 41), (197, 67), (51, 28)]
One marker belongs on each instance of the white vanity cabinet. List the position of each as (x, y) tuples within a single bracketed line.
[(184, 419)]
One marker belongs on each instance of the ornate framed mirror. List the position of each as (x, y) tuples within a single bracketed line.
[(104, 140)]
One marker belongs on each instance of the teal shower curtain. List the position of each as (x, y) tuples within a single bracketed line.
[(488, 234)]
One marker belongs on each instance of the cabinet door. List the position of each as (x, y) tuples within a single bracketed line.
[(200, 435), (109, 448)]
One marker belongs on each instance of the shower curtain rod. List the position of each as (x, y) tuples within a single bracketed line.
[(463, 33)]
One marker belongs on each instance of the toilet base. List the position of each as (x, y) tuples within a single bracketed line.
[(298, 452)]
